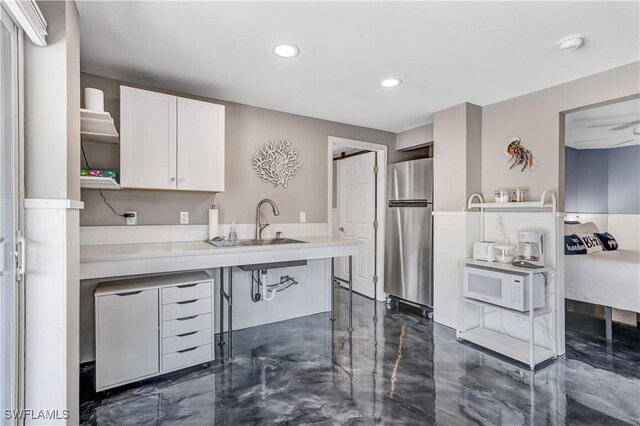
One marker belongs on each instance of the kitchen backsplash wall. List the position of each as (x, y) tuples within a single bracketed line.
[(246, 128)]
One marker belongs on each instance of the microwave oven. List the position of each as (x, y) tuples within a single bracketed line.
[(509, 289)]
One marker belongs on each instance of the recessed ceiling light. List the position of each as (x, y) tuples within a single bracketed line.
[(286, 50), (571, 42), (390, 82)]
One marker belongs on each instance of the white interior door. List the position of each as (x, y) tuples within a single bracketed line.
[(10, 234), (356, 191)]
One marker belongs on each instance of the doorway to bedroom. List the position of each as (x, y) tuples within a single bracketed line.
[(602, 226)]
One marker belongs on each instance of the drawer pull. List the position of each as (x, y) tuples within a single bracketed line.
[(129, 293), (186, 302), (186, 318), (187, 285), (187, 334), (188, 350)]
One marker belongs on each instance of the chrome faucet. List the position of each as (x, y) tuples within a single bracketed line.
[(260, 226)]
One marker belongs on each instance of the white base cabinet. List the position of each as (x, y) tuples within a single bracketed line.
[(152, 325)]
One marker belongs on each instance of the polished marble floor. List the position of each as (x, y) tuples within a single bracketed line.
[(401, 370)]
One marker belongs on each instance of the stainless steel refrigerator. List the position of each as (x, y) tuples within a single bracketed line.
[(408, 271)]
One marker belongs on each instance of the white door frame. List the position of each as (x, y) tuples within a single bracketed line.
[(381, 195)]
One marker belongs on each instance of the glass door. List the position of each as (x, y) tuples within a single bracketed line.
[(10, 238)]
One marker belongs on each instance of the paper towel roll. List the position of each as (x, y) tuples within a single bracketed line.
[(213, 223), (93, 99)]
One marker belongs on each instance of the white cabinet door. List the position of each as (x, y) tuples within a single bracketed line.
[(200, 146), (147, 139), (127, 338)]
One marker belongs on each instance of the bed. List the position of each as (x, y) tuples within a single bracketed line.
[(607, 278)]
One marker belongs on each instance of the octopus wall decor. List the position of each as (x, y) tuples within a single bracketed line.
[(519, 154), (276, 163)]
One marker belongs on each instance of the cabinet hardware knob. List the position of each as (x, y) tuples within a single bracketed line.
[(186, 318), (129, 293), (186, 285), (172, 179), (187, 334)]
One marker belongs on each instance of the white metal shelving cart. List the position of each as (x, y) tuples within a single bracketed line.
[(519, 348)]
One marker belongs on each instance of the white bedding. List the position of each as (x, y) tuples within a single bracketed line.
[(609, 278)]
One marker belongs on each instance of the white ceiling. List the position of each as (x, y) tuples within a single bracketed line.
[(445, 52), (609, 126)]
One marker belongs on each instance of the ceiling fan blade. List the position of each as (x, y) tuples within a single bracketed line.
[(624, 126), (620, 143), (603, 125), (595, 140)]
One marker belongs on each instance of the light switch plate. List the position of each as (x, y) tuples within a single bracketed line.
[(303, 217), (184, 218), (132, 220)]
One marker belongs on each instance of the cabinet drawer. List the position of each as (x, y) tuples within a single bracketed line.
[(186, 309), (186, 341), (181, 293), (187, 357), (187, 325)]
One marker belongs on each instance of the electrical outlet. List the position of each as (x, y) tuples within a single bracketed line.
[(184, 218), (132, 218), (303, 217)]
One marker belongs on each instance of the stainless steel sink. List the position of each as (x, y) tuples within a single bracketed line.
[(268, 242)]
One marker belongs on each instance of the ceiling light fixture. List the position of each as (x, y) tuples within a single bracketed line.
[(390, 82), (571, 43), (286, 50)]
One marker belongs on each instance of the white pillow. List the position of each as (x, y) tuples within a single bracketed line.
[(581, 228), (591, 242)]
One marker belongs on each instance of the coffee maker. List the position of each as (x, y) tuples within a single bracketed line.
[(530, 250)]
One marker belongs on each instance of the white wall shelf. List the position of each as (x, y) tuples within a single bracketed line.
[(542, 204), (98, 182), (488, 306), (97, 126), (506, 266), (509, 346)]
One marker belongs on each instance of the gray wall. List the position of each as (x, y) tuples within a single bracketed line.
[(456, 154), (414, 138), (536, 119), (571, 180), (603, 180), (246, 128), (624, 180)]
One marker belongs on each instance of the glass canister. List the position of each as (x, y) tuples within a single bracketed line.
[(505, 254), (519, 195), (503, 195)]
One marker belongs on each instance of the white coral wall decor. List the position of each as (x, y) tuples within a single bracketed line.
[(276, 163)]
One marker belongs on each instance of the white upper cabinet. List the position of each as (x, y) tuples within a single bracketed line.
[(147, 139), (200, 146), (169, 142)]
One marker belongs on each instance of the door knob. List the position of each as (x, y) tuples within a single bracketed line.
[(341, 229)]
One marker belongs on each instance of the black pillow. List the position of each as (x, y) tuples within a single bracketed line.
[(608, 242), (574, 245)]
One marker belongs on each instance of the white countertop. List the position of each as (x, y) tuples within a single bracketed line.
[(114, 260)]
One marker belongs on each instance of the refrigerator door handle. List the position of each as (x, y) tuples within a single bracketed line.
[(409, 203)]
